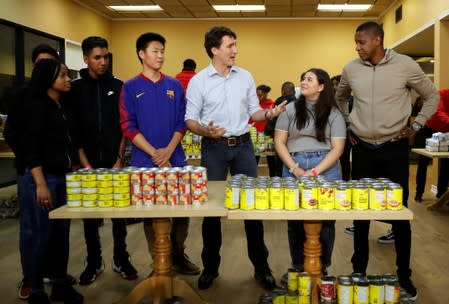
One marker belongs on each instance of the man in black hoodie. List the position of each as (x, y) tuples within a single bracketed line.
[(95, 105)]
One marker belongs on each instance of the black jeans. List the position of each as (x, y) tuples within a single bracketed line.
[(93, 244), (218, 158), (423, 162), (345, 161), (391, 161)]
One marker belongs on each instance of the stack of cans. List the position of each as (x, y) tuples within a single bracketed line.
[(160, 186), (105, 188), (89, 187), (120, 182), (73, 186), (148, 186)]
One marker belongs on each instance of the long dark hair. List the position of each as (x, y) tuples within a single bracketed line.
[(44, 74), (323, 106)]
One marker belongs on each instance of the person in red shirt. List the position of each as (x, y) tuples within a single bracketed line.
[(439, 122), (188, 71)]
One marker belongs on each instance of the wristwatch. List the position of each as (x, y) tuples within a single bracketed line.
[(293, 168), (416, 126)]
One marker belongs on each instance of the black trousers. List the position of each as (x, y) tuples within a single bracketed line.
[(423, 162), (391, 161), (93, 244), (345, 161)]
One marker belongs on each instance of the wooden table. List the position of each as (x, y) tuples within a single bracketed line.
[(312, 226), (162, 285), (435, 156)]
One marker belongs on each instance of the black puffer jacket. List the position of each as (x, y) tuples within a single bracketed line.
[(95, 107)]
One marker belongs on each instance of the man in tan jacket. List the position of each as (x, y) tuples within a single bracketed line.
[(380, 81)]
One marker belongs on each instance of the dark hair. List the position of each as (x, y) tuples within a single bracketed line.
[(44, 74), (43, 49), (92, 42), (214, 38), (372, 27), (288, 87), (264, 88), (323, 106), (145, 39), (189, 65), (337, 78)]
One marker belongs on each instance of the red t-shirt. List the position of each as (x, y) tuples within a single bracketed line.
[(184, 77), (440, 120), (260, 125)]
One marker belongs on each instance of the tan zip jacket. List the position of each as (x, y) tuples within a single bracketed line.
[(382, 101)]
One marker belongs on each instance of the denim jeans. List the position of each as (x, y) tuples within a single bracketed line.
[(218, 158), (50, 238), (296, 233), (25, 230)]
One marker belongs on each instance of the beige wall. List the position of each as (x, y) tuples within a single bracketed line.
[(63, 18), (273, 51)]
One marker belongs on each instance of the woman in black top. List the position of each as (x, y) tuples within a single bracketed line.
[(46, 145)]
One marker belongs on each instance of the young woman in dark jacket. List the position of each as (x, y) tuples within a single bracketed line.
[(46, 145)]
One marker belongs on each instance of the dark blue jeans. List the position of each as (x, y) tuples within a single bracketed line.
[(296, 233), (218, 158), (390, 160), (25, 230), (50, 238)]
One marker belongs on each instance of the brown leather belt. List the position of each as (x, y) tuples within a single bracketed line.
[(231, 140)]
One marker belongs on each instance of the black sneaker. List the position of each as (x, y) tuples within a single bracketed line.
[(24, 288), (349, 230), (38, 298), (90, 273), (388, 238), (125, 269), (418, 197), (408, 291), (183, 265), (66, 293)]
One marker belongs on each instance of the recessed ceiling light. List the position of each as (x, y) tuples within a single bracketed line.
[(135, 8), (344, 7), (239, 8)]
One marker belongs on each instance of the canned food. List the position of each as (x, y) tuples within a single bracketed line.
[(265, 299), (105, 204), (172, 176), (73, 177), (246, 197), (73, 184), (121, 203), (309, 196), (120, 176), (89, 184), (161, 199), (291, 297), (291, 196), (185, 199), (89, 175), (160, 188), (361, 290), (118, 190), (345, 290), (74, 197), (360, 196), (232, 195), (392, 291), (326, 196), (73, 204), (105, 184), (292, 279), (262, 198), (278, 297), (89, 197), (343, 196), (394, 196), (105, 197), (148, 176), (276, 196), (73, 190), (105, 190), (377, 199), (303, 299), (120, 183), (121, 196), (89, 204), (104, 176), (328, 288), (184, 175), (304, 284), (149, 200), (376, 289)]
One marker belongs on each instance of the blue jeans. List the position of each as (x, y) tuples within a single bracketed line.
[(296, 233), (25, 230), (218, 158), (50, 238)]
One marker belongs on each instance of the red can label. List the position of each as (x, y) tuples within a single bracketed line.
[(149, 200), (161, 199)]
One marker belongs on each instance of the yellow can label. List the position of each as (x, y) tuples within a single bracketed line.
[(73, 184), (121, 183), (73, 177), (291, 299), (377, 199), (105, 204), (105, 197), (392, 294), (89, 184), (74, 197), (90, 197), (376, 294), (73, 204), (276, 198), (107, 190), (104, 177), (291, 199), (304, 300), (73, 190), (120, 177), (292, 280), (247, 199), (278, 299), (304, 284), (262, 199), (326, 198), (361, 294), (89, 190), (121, 190), (345, 293), (104, 184), (309, 198), (88, 177), (89, 203), (122, 203), (360, 199), (121, 196), (232, 197), (394, 199), (343, 199)]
